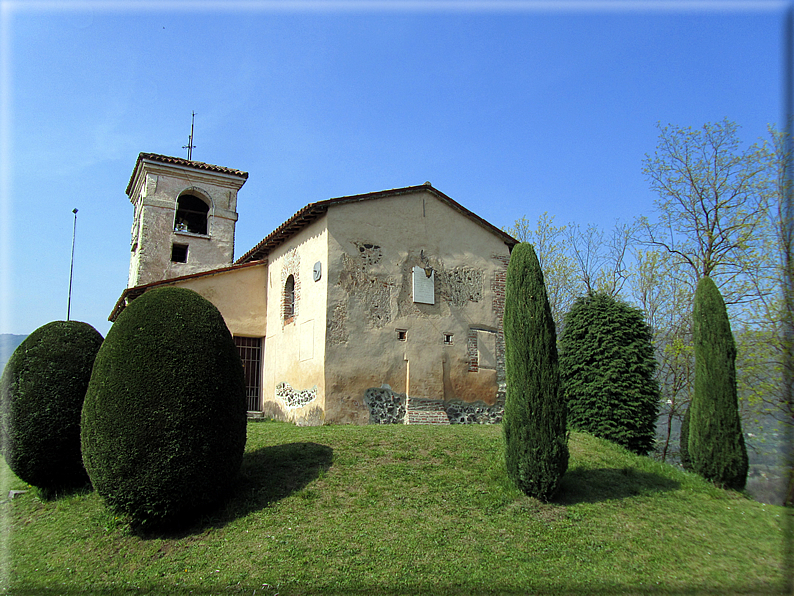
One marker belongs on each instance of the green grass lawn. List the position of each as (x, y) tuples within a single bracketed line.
[(410, 510)]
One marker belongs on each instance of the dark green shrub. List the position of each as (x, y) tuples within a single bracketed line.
[(164, 419), (607, 371), (536, 442), (716, 442), (43, 387)]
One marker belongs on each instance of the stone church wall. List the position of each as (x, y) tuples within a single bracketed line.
[(381, 343), (294, 366)]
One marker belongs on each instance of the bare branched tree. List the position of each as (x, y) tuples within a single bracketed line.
[(559, 271), (601, 258), (712, 205)]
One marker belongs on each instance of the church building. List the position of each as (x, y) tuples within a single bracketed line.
[(384, 307)]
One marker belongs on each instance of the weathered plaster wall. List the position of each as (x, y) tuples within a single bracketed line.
[(294, 377), (373, 248), (154, 197), (240, 295)]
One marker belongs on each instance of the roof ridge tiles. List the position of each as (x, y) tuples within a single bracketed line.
[(190, 162), (179, 161), (312, 211)]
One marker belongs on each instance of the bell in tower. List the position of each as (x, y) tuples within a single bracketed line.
[(185, 213)]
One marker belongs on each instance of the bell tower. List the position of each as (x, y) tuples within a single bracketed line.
[(185, 213)]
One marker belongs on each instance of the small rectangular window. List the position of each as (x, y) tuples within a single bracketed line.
[(179, 253)]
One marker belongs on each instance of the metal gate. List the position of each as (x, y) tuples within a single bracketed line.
[(250, 349)]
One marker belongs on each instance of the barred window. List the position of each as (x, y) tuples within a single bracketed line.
[(250, 349)]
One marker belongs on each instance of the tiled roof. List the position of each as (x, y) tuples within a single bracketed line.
[(178, 161), (314, 211), (130, 294), (311, 212)]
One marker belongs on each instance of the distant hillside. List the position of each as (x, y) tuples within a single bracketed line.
[(8, 343)]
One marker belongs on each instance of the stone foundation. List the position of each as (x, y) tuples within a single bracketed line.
[(388, 407), (385, 406), (475, 413)]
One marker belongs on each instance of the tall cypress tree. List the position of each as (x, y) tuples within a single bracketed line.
[(683, 442), (716, 443), (536, 441)]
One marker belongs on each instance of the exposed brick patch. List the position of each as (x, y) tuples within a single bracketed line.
[(427, 418), (426, 411), (498, 285), (422, 404)]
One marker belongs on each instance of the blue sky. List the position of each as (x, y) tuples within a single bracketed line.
[(510, 108)]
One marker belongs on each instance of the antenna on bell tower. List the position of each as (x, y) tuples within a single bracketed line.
[(190, 146)]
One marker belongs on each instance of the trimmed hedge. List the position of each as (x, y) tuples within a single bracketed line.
[(536, 442), (607, 369), (41, 397), (164, 420), (715, 443)]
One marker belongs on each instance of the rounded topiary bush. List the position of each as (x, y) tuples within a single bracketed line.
[(41, 397), (164, 419)]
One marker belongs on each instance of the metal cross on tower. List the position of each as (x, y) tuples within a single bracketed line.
[(190, 146)]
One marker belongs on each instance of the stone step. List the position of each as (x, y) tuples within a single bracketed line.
[(420, 404), (426, 411), (426, 417)]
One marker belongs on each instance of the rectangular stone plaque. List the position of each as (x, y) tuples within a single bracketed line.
[(424, 286)]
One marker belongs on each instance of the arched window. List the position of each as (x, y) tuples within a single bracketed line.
[(289, 299), (191, 215)]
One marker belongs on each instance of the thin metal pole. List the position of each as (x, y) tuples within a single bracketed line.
[(71, 267), (190, 146)]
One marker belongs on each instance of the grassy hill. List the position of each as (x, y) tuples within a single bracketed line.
[(411, 510)]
